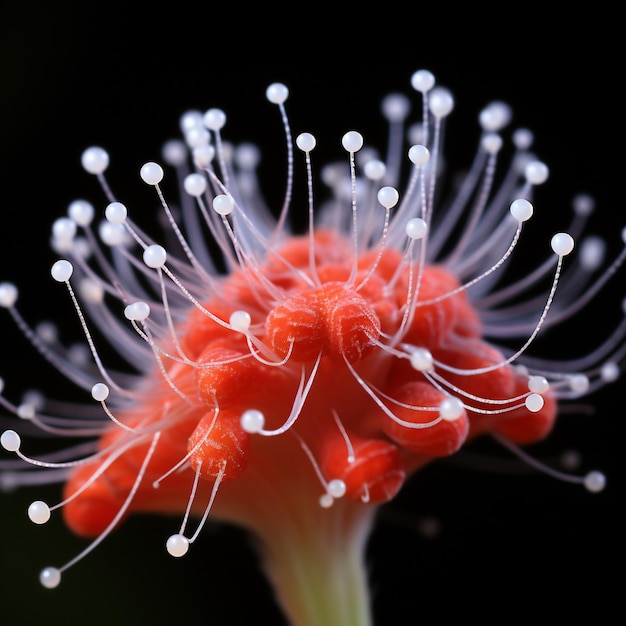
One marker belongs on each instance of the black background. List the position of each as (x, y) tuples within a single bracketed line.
[(510, 546)]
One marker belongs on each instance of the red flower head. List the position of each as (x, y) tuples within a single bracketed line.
[(301, 387)]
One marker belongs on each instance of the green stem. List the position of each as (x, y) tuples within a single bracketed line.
[(317, 568)]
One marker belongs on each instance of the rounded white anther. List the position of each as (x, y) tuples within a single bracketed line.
[(203, 155), (277, 93), (252, 421), (81, 211), (579, 383), (521, 209), (595, 481), (419, 154), (491, 143), (64, 229), (534, 402), (562, 244), (495, 116), (451, 408), (326, 501), (223, 204), (8, 295), (306, 142), (336, 488), (112, 234), (116, 213), (375, 169), (26, 411), (421, 360), (10, 441), (95, 160), (609, 372), (177, 545), (538, 384), (50, 577), (396, 107), (416, 228), (388, 197), (190, 119), (197, 137), (440, 102), (536, 172), (100, 392), (137, 311), (523, 138), (39, 512), (352, 141), (154, 256), (583, 204), (592, 252), (195, 184), (62, 270), (151, 173), (174, 152), (422, 81), (214, 119), (247, 156), (240, 321)]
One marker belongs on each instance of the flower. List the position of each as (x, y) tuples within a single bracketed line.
[(290, 382)]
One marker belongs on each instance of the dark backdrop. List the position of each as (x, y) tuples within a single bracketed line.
[(120, 75)]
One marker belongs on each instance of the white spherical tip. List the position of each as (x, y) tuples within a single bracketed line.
[(396, 107), (195, 184), (81, 211), (100, 392), (203, 155), (536, 172), (336, 488), (50, 577), (305, 142), (534, 402), (223, 204), (10, 441), (583, 204), (137, 311), (95, 160), (538, 384), (326, 501), (116, 213), (388, 197), (419, 154), (190, 119), (177, 545), (592, 252), (240, 321), (523, 138), (440, 102), (422, 81), (521, 209), (112, 234), (491, 143), (62, 270), (609, 372), (451, 409), (151, 173), (495, 116), (374, 169), (416, 228), (579, 383), (174, 152), (197, 137), (277, 93), (214, 119), (595, 481), (8, 295), (64, 229), (352, 141), (421, 360), (154, 256), (39, 512), (252, 421), (562, 244)]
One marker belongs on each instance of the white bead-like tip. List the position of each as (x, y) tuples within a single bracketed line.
[(177, 545)]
